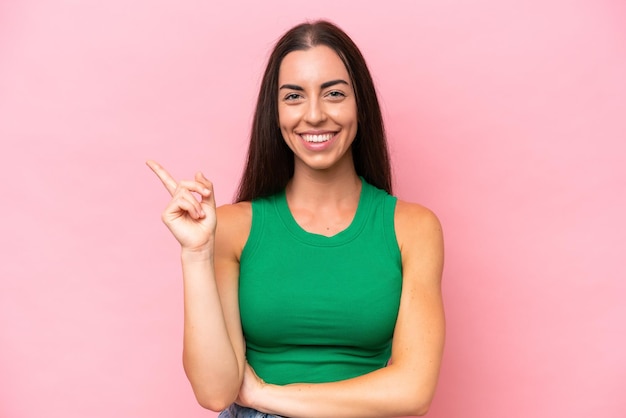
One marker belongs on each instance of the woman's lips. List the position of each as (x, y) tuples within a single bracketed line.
[(317, 138)]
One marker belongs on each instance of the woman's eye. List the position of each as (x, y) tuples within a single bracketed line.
[(336, 94), (292, 96)]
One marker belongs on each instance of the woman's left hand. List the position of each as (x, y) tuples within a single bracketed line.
[(250, 388)]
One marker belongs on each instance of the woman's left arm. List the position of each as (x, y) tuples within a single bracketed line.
[(407, 385)]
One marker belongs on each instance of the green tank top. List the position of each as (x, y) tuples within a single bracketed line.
[(314, 308)]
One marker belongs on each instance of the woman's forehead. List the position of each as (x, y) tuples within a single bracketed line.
[(317, 64)]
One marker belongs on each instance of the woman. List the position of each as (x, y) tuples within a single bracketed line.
[(318, 293)]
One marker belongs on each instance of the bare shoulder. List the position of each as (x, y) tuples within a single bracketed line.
[(235, 212), (420, 238), (413, 220), (233, 227)]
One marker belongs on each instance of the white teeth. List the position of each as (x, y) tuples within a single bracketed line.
[(317, 138)]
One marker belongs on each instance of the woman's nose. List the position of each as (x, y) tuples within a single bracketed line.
[(314, 113)]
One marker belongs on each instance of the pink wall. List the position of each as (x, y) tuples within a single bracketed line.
[(506, 118)]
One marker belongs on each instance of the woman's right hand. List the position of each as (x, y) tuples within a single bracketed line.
[(191, 221)]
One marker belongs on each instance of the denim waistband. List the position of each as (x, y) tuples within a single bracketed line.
[(237, 411)]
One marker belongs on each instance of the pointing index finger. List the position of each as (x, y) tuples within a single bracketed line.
[(165, 177)]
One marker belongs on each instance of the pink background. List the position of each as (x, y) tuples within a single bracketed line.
[(507, 118)]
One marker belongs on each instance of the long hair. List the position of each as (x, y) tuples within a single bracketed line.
[(270, 162)]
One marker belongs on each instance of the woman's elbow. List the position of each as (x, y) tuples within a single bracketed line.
[(214, 403), (212, 395), (420, 408), (415, 407), (215, 398), (417, 403)]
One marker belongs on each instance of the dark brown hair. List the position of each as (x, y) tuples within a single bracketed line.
[(270, 162)]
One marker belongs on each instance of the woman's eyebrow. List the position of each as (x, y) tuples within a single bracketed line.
[(323, 85), (291, 87), (333, 82)]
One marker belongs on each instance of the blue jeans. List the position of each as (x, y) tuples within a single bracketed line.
[(237, 411)]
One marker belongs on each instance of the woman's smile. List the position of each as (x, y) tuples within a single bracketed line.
[(317, 138), (318, 141)]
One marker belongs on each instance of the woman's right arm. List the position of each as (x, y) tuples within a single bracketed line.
[(213, 345)]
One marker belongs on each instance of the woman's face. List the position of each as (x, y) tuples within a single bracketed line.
[(317, 109)]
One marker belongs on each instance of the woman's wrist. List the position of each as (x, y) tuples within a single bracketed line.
[(260, 394), (254, 392), (197, 254)]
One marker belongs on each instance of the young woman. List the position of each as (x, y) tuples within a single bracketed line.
[(317, 294)]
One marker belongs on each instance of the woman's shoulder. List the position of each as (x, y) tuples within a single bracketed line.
[(415, 214), (420, 239), (416, 224), (235, 211), (233, 226)]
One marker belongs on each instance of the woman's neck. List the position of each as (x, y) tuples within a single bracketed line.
[(324, 201), (311, 188)]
